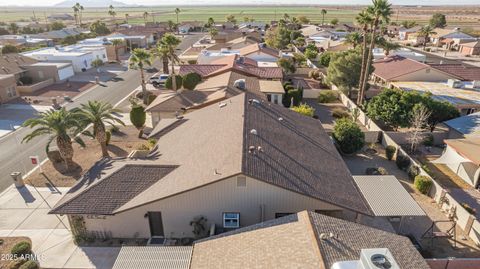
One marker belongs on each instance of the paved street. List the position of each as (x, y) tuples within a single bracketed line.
[(14, 155)]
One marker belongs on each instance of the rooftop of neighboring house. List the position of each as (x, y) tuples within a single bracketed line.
[(56, 52), (303, 240), (454, 34), (140, 30), (411, 30), (468, 125), (3, 76), (59, 34), (462, 95), (467, 148), (474, 44), (391, 67), (234, 44), (461, 71), (235, 63), (242, 135), (12, 63), (208, 55)]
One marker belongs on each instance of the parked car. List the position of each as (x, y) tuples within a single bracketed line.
[(158, 79)]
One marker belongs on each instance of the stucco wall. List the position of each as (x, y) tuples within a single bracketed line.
[(7, 83), (209, 201), (424, 75)]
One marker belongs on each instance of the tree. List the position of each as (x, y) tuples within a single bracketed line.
[(418, 122), (365, 19), (138, 116), (304, 109), (163, 53), (440, 111), (174, 84), (190, 80), (325, 58), (287, 65), (213, 32), (177, 11), (13, 28), (8, 48), (99, 28), (388, 46), (438, 20), (348, 136), (4, 31), (231, 18), (77, 13), (278, 37), (380, 12), (390, 107), (116, 43), (311, 54), (126, 17), (425, 32), (334, 21), (344, 70), (171, 25), (96, 64), (323, 12), (111, 12), (170, 42), (303, 19), (354, 39), (61, 126), (408, 24), (138, 60), (98, 114), (57, 25), (145, 17), (210, 22)]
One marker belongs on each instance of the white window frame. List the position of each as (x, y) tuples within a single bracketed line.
[(231, 216)]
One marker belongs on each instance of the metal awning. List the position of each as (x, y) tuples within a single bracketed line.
[(450, 156), (154, 257), (387, 197)]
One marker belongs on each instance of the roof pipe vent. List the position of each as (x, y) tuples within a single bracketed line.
[(253, 131), (254, 101)]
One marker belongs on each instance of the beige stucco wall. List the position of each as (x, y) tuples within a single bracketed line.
[(7, 82), (209, 201), (424, 75), (48, 72)]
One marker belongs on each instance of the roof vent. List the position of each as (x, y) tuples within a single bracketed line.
[(253, 131), (240, 84), (254, 101), (222, 104), (251, 149), (280, 119)]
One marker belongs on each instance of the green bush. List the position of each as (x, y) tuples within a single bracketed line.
[(29, 265), (469, 208), (26, 80), (328, 96), (138, 116), (340, 113), (428, 140), (423, 184), (192, 61), (152, 142), (151, 97), (178, 79), (8, 48), (304, 109), (390, 151), (402, 162), (413, 171), (191, 80), (348, 136), (15, 264), (22, 248)]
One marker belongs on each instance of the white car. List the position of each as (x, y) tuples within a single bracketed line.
[(158, 79)]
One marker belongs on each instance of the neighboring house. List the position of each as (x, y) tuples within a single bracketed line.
[(59, 35), (305, 240), (459, 71), (465, 126), (259, 52), (106, 42), (131, 41), (398, 68), (409, 34), (253, 25), (453, 39), (465, 96), (393, 30), (151, 34), (25, 40), (57, 71), (463, 158), (64, 17), (379, 53), (12, 64), (237, 163), (8, 88), (471, 48)]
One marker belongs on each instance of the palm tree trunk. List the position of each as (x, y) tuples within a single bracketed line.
[(369, 62), (364, 60), (174, 78), (66, 151), (101, 137), (165, 65), (116, 54), (144, 87)]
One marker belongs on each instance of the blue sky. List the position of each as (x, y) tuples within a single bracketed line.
[(256, 2)]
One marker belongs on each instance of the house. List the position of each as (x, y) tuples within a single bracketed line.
[(236, 163), (12, 64), (259, 52), (305, 240), (451, 39), (409, 34), (461, 156), (63, 17), (131, 41), (465, 96), (58, 71), (253, 25), (471, 48), (8, 88), (459, 71), (379, 53), (113, 52), (59, 35), (465, 126), (393, 30), (152, 34), (24, 40), (398, 68)]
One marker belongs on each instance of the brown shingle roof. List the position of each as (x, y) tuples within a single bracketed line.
[(11, 63), (395, 66), (461, 71), (294, 242)]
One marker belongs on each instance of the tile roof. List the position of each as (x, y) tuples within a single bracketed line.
[(296, 154), (395, 66), (294, 241), (12, 63), (463, 72), (467, 148)]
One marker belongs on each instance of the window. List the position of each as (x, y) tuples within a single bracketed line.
[(231, 220), (11, 91), (279, 215), (269, 97)]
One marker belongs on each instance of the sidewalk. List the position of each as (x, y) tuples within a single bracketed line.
[(23, 212)]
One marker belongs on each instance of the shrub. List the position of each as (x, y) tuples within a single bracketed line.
[(143, 147), (191, 80), (340, 113), (382, 171), (469, 208), (152, 142), (304, 109), (315, 74), (296, 94), (390, 151), (108, 135), (428, 140), (348, 136), (178, 79), (192, 61), (114, 129), (22, 248), (422, 184), (26, 80), (413, 171), (402, 162), (8, 48), (138, 117), (151, 97), (29, 265), (376, 171), (15, 264), (139, 95), (328, 96)]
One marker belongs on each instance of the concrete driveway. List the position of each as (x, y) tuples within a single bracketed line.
[(23, 212), (13, 115)]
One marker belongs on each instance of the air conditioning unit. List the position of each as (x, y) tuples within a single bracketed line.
[(371, 258), (476, 84), (240, 84), (454, 83)]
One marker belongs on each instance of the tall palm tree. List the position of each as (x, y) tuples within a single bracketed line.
[(354, 39), (138, 60), (76, 10), (62, 126), (177, 11), (145, 17), (324, 12), (116, 43), (425, 32), (162, 52), (81, 13), (381, 12), (126, 17), (98, 114), (365, 20), (170, 42), (111, 12), (387, 46)]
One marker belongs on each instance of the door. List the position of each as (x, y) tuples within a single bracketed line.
[(156, 225)]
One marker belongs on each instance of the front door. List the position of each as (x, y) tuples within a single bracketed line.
[(156, 225)]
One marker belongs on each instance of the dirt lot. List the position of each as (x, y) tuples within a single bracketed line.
[(44, 96), (121, 144), (6, 246)]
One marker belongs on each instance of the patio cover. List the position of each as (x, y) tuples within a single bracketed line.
[(387, 197), (450, 156), (154, 257)]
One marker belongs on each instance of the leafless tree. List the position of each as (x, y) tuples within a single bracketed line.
[(418, 123)]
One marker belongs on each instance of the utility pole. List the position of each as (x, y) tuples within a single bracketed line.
[(34, 17)]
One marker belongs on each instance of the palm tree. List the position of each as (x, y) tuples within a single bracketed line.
[(116, 43), (162, 52), (380, 12), (81, 13), (138, 60), (98, 114), (126, 17), (111, 12), (13, 28), (145, 17), (354, 39), (388, 46), (365, 20), (425, 32), (62, 126), (76, 10), (213, 32), (170, 42), (171, 25), (177, 11), (324, 12)]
